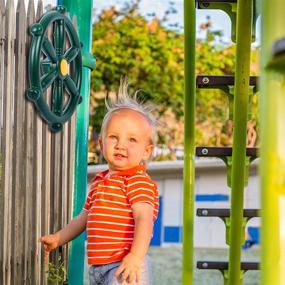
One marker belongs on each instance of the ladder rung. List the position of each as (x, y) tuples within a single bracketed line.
[(205, 151), (212, 81), (223, 213), (215, 1), (222, 265)]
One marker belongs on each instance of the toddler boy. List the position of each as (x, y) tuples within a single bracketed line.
[(123, 201)]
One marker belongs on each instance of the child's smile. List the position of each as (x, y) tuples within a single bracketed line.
[(119, 156)]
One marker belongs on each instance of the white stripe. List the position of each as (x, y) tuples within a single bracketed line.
[(115, 180), (140, 182), (138, 189), (114, 216), (115, 249), (110, 201), (110, 194), (98, 236), (111, 223), (141, 195), (135, 176), (108, 230), (120, 252), (108, 186), (109, 208)]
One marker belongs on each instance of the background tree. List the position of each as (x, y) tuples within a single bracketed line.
[(150, 52)]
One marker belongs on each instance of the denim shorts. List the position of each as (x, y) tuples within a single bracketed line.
[(104, 274)]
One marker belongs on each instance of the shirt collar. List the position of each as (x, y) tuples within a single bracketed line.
[(139, 169)]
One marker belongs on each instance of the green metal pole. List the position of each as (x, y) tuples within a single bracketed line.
[(83, 12), (241, 97), (272, 167), (189, 140)]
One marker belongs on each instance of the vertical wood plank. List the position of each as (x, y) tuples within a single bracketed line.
[(46, 188), (37, 187), (18, 143), (7, 135), (47, 184), (56, 189), (2, 42), (2, 197), (71, 155), (64, 191), (70, 167), (29, 157)]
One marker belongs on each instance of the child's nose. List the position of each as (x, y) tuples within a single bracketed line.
[(120, 144)]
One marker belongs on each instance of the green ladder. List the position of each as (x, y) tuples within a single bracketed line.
[(240, 90)]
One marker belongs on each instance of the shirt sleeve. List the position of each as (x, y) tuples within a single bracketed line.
[(141, 189), (87, 204), (89, 199)]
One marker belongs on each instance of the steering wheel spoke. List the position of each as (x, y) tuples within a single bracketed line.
[(46, 66), (49, 50), (70, 85), (48, 79), (59, 37), (57, 97), (71, 54)]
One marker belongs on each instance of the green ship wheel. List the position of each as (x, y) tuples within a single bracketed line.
[(55, 63)]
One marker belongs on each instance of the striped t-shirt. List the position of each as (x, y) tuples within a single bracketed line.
[(110, 223)]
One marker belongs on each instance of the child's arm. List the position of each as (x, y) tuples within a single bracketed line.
[(68, 233), (131, 263)]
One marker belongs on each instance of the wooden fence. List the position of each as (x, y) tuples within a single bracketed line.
[(37, 165)]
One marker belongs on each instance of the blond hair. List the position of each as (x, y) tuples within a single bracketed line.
[(125, 101)]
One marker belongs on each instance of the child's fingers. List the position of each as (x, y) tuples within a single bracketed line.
[(47, 239), (120, 269), (138, 276), (131, 278), (125, 275)]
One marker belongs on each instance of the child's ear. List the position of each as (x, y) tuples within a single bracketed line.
[(148, 152)]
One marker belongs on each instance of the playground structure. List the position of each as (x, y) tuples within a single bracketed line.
[(243, 16), (43, 168)]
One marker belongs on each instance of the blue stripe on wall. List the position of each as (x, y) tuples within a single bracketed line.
[(211, 197), (254, 234), (172, 234), (156, 239)]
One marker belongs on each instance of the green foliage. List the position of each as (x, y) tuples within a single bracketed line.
[(57, 273), (152, 56), (124, 43)]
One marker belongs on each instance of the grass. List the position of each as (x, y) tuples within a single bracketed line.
[(167, 266)]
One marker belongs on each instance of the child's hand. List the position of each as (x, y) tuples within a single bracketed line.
[(130, 269), (49, 242)]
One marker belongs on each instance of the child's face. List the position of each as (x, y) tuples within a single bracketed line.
[(126, 141)]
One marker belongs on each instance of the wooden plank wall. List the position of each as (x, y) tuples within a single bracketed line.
[(36, 165)]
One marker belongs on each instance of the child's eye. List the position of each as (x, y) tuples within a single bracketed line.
[(112, 137), (133, 140)]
